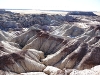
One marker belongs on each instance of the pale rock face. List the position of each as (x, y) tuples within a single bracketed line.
[(34, 73), (93, 40), (73, 31), (9, 48), (14, 44), (6, 36), (27, 66), (93, 71), (28, 61), (98, 33), (52, 59), (50, 69), (8, 73), (38, 54)]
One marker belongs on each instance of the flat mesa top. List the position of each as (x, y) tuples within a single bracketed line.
[(38, 12), (44, 12)]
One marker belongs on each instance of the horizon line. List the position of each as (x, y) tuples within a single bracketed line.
[(51, 10)]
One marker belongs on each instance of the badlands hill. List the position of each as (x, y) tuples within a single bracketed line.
[(49, 44)]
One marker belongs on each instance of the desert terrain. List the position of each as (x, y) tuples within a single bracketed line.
[(39, 12), (34, 42), (45, 12)]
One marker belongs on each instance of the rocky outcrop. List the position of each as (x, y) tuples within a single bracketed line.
[(34, 73), (63, 52), (15, 60), (57, 51), (50, 70), (92, 71), (22, 61), (17, 21), (73, 31), (3, 11), (81, 13)]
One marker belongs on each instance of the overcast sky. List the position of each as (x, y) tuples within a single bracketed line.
[(85, 5)]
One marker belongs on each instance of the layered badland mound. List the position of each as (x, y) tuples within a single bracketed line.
[(49, 44)]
